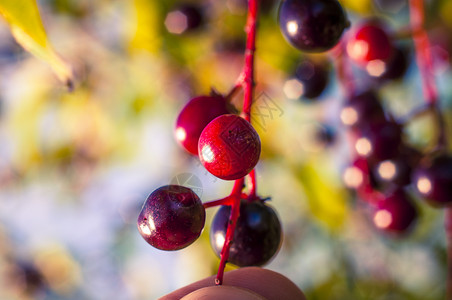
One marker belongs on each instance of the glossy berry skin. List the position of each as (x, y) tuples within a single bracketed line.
[(172, 218), (397, 172), (396, 67), (312, 25), (314, 78), (361, 109), (433, 180), (396, 213), (257, 236), (229, 147), (195, 115), (383, 139), (369, 42)]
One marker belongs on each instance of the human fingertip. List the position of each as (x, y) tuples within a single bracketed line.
[(223, 293)]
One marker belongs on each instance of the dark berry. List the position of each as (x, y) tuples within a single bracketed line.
[(229, 147), (312, 25), (257, 236), (379, 141), (313, 77), (361, 109), (184, 18), (396, 67), (195, 115), (433, 180), (397, 171), (370, 42), (172, 218), (396, 213)]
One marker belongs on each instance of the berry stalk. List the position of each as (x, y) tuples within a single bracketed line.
[(247, 80), (248, 70), (235, 210), (345, 75), (424, 62)]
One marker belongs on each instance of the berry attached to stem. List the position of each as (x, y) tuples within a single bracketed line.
[(229, 147), (312, 25), (257, 235), (172, 217)]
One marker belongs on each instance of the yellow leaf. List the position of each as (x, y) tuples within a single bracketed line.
[(146, 33), (327, 200), (27, 28), (358, 6)]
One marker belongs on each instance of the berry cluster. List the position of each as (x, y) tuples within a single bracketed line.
[(386, 166), (245, 230)]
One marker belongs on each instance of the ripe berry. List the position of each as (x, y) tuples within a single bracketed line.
[(397, 171), (172, 218), (313, 77), (396, 67), (379, 141), (433, 180), (184, 18), (229, 147), (396, 213), (312, 25), (196, 114), (370, 42), (361, 109), (257, 235)]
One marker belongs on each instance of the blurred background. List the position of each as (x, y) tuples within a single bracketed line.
[(75, 167)]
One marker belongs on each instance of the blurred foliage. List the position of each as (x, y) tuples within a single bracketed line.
[(75, 167), (25, 22)]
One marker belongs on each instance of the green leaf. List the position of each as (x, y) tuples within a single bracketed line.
[(27, 28)]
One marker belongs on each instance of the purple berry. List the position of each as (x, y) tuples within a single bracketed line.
[(433, 180), (312, 25), (257, 236), (172, 218)]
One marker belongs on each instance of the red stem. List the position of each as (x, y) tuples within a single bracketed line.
[(425, 65), (423, 55), (424, 62), (224, 201), (247, 79), (235, 211), (343, 68), (248, 70)]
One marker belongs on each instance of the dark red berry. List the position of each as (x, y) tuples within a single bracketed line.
[(397, 171), (195, 115), (379, 141), (396, 213), (257, 236), (184, 18), (312, 25), (172, 218), (433, 180), (396, 67), (361, 109), (229, 147), (370, 42), (313, 76)]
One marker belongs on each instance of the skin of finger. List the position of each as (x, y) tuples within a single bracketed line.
[(223, 293), (269, 284)]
